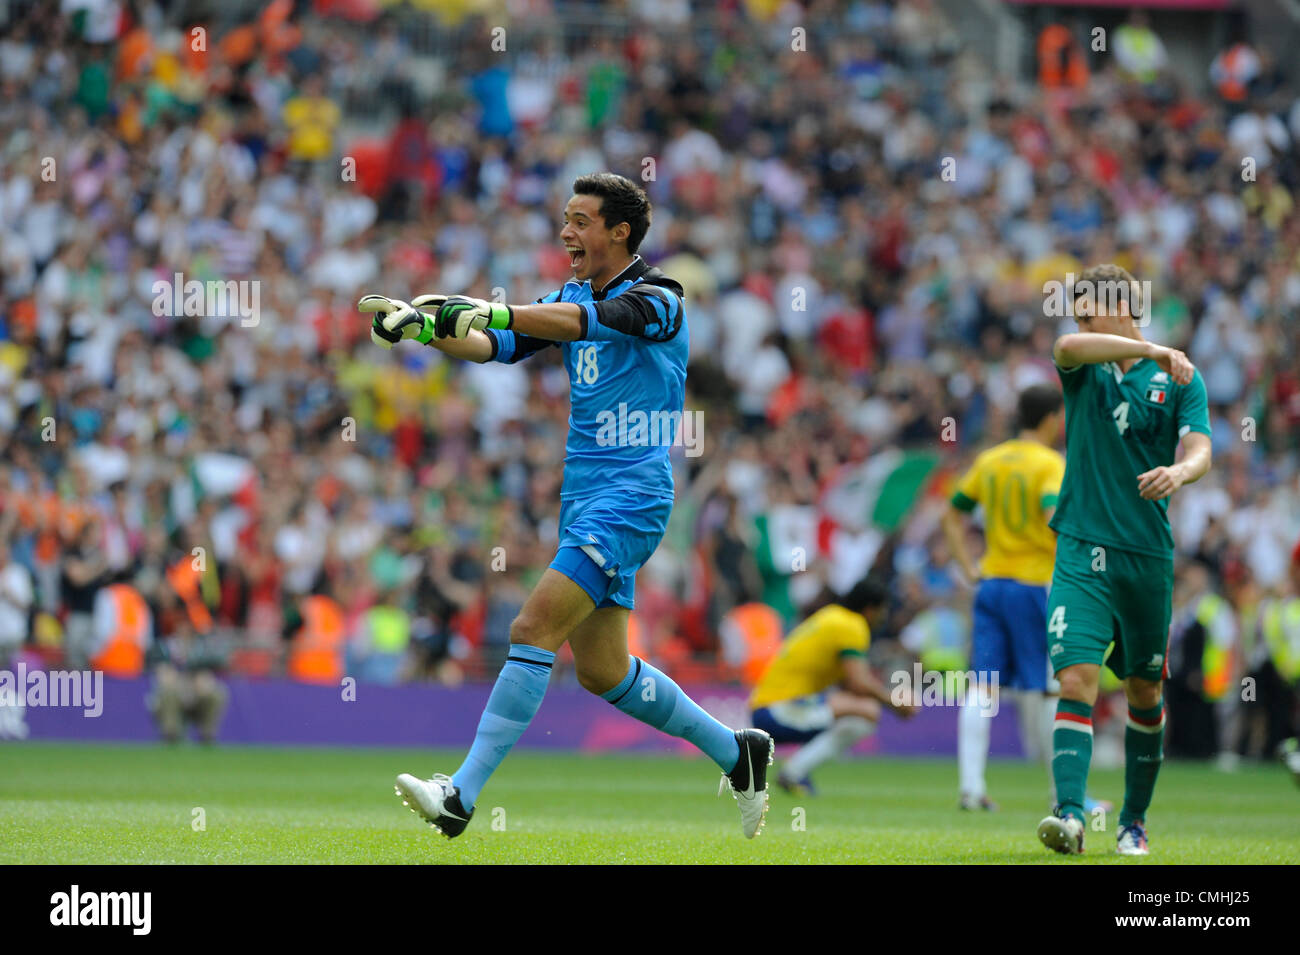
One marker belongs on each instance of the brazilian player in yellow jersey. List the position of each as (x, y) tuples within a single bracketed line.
[(1129, 405), (1015, 484), (818, 689)]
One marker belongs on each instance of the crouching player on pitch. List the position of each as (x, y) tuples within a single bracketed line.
[(1128, 404), (818, 690), (622, 327)]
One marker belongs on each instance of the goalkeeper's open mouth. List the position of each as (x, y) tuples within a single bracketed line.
[(576, 257)]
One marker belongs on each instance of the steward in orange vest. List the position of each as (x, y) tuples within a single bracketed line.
[(124, 624), (316, 652), (1060, 59)]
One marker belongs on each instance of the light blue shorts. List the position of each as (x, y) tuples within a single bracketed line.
[(604, 540)]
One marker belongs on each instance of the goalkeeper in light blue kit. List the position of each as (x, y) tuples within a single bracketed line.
[(622, 327)]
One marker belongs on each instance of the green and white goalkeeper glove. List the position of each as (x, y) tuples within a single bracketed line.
[(458, 315), (394, 320)]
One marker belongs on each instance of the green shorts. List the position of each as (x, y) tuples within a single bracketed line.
[(1101, 594)]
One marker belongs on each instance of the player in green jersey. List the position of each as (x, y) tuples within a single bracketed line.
[(1128, 405)]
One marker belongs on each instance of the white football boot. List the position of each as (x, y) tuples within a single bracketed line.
[(436, 800), (1132, 840), (748, 781), (1062, 833)]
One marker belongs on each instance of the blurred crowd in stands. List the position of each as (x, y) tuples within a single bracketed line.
[(864, 221)]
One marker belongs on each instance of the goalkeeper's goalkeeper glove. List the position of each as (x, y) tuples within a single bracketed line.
[(458, 315), (394, 320)]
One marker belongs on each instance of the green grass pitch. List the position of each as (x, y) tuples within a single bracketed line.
[(84, 804)]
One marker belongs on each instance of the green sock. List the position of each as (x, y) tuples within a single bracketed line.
[(1143, 752), (1071, 755)]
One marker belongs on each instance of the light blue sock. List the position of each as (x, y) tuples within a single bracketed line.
[(652, 697), (511, 707)]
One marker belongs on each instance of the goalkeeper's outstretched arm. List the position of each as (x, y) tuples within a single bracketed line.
[(644, 311), (458, 325), (476, 346), (394, 321), (549, 322), (554, 321)]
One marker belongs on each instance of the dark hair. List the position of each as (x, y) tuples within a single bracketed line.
[(621, 200), (867, 594), (1036, 403), (1108, 285)]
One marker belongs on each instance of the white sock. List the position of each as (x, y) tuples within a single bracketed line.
[(826, 745), (1036, 714), (973, 729), (1029, 716), (1028, 734), (1047, 706)]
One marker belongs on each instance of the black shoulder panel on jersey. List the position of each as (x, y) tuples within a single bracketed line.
[(651, 309), (652, 276), (527, 345)]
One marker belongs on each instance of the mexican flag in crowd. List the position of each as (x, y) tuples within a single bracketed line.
[(862, 505), (879, 492)]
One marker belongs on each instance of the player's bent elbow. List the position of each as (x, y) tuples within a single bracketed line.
[(1063, 351)]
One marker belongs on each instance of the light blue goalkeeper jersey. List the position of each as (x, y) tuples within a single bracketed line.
[(627, 379)]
